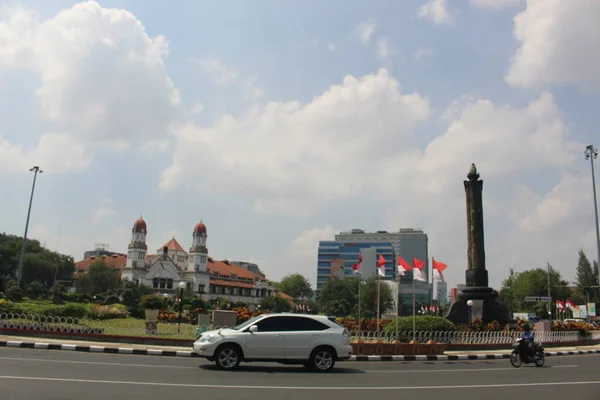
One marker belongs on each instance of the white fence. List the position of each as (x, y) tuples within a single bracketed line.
[(458, 337), (131, 327)]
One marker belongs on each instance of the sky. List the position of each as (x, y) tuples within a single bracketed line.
[(281, 123)]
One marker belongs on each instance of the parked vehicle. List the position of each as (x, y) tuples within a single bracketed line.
[(522, 355), (314, 341)]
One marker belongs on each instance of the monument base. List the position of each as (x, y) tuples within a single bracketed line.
[(486, 307)]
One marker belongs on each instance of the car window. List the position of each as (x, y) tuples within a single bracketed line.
[(272, 324), (305, 324)]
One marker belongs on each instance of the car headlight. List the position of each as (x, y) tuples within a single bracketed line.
[(208, 338)]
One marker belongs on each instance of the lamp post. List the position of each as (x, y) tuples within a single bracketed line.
[(470, 304), (35, 170), (591, 153), (181, 287)]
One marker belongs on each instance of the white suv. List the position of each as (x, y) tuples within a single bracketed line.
[(314, 341)]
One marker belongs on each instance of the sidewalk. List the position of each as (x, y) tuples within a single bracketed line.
[(178, 351)]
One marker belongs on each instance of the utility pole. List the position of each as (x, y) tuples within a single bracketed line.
[(591, 153), (549, 298), (35, 170)]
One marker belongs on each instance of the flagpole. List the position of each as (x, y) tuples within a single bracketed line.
[(414, 304), (378, 284), (359, 319), (397, 305)]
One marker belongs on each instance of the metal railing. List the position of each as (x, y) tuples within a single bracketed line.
[(172, 330), (461, 337)]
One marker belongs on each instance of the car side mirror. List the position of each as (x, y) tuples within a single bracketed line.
[(253, 329)]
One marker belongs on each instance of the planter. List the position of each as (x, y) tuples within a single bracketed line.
[(151, 315)]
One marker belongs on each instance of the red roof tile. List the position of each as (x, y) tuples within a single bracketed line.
[(220, 282), (226, 268), (111, 261), (172, 245)]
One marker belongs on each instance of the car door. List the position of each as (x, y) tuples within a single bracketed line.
[(268, 341), (302, 336)]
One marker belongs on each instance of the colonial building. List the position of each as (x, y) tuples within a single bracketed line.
[(163, 271)]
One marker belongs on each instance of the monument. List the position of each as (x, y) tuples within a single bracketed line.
[(477, 300)]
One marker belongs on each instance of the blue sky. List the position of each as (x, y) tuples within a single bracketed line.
[(280, 123)]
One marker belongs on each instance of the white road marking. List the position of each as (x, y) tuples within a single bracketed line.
[(97, 363), (420, 371), (403, 371), (316, 388)]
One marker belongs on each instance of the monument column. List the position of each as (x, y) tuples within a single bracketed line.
[(484, 299)]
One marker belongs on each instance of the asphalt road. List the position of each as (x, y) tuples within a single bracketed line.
[(52, 375)]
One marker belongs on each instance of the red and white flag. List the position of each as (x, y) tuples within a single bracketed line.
[(356, 267), (418, 273), (381, 266), (560, 305), (438, 268), (571, 305), (403, 266)]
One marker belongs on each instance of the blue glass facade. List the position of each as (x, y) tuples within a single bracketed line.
[(349, 252)]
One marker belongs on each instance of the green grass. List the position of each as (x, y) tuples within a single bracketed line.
[(137, 327)]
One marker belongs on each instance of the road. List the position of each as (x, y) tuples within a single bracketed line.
[(41, 374)]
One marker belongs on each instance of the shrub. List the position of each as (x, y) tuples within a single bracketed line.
[(45, 308), (14, 293), (422, 323), (112, 311), (8, 307), (152, 302)]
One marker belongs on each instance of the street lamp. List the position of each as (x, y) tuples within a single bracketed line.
[(181, 287), (591, 153), (35, 170), (470, 304)]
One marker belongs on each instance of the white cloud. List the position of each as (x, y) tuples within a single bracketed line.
[(384, 48), (102, 213), (359, 126), (54, 153), (218, 72), (495, 4), (102, 78), (559, 42), (437, 11), (365, 30), (330, 46), (423, 54), (302, 254), (197, 108)]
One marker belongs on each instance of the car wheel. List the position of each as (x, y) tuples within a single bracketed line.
[(228, 357), (322, 359)]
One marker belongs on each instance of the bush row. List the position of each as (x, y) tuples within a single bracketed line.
[(67, 310)]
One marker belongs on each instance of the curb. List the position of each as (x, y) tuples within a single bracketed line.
[(188, 353)]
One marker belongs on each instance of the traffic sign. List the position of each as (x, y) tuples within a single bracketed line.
[(537, 299)]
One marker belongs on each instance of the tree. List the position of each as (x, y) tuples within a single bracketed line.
[(339, 297), (296, 285), (100, 278), (586, 278), (40, 264), (368, 297), (532, 283), (275, 304)]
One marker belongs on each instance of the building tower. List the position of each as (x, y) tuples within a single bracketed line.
[(198, 258), (137, 249)]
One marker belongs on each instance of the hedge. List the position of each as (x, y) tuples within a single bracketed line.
[(422, 323)]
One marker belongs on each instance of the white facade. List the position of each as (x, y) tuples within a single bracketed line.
[(165, 271)]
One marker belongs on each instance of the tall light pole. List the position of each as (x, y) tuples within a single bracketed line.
[(35, 170), (591, 153)]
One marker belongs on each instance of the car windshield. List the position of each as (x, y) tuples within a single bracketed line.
[(245, 324)]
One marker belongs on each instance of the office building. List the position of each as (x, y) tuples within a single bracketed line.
[(335, 260)]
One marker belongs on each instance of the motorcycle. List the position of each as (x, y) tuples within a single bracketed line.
[(518, 357)]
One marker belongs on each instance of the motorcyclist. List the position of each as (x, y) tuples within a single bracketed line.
[(527, 342)]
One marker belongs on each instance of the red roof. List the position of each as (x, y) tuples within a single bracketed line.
[(200, 228), (114, 261), (226, 268), (172, 245), (221, 282), (140, 225)]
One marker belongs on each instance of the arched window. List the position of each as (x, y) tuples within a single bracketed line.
[(155, 283), (169, 283), (163, 283)]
